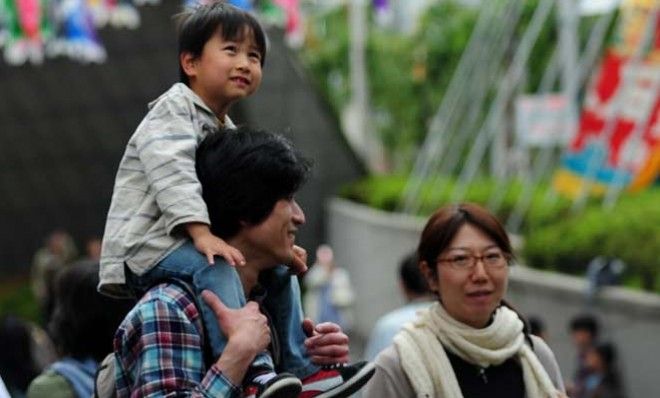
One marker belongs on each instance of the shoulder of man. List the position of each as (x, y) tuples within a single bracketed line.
[(175, 294)]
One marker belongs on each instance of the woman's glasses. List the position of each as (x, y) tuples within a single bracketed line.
[(467, 261)]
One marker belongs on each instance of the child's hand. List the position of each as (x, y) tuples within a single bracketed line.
[(299, 261), (210, 245)]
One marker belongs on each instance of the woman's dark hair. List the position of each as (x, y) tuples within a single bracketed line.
[(197, 24), (243, 173), (17, 366), (84, 321)]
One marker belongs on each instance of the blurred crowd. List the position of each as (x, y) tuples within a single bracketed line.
[(59, 356)]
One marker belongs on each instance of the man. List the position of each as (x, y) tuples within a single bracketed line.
[(248, 180), (416, 292)]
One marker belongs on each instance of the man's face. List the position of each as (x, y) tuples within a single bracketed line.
[(274, 237)]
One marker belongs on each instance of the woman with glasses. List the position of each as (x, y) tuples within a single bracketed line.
[(470, 343)]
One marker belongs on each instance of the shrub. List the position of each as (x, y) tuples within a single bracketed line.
[(554, 237), (629, 232)]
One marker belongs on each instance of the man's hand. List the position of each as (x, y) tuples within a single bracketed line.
[(299, 261), (210, 245), (247, 334), (326, 343)]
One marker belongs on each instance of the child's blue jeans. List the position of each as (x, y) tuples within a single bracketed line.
[(281, 300)]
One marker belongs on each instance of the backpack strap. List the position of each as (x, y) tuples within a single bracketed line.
[(79, 374), (188, 288)]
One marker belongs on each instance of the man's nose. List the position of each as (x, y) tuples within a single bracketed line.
[(298, 213)]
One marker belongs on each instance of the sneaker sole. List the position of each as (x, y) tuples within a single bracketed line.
[(285, 388), (352, 385)]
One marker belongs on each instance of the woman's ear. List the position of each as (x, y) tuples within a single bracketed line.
[(430, 275)]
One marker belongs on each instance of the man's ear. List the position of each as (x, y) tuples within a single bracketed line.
[(188, 63), (429, 275)]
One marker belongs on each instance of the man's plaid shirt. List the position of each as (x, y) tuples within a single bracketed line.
[(159, 350)]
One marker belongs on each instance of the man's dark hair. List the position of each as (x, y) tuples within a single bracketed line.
[(84, 321), (243, 173), (412, 276), (585, 322), (197, 24)]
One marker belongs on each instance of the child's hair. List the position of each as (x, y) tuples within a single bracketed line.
[(197, 24), (243, 173)]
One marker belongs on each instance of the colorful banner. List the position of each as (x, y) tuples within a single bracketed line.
[(32, 30), (618, 139)]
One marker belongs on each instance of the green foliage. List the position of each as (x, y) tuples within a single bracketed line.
[(629, 232), (387, 193), (326, 56), (554, 238), (16, 298), (409, 74)]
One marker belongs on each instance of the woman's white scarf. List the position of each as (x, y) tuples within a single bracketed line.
[(423, 358)]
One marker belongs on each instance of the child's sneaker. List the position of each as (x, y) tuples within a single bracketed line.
[(337, 381), (272, 385)]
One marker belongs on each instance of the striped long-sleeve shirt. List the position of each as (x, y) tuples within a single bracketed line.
[(159, 350), (156, 188)]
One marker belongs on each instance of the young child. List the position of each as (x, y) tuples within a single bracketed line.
[(158, 226)]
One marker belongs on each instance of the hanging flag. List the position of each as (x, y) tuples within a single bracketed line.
[(27, 27), (293, 27), (124, 15), (618, 146), (77, 37)]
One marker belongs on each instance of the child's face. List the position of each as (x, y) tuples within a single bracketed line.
[(226, 71)]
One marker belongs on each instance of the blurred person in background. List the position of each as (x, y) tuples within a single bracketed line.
[(470, 342), (584, 330), (604, 380), (93, 249), (416, 292), (17, 366), (82, 327), (329, 296), (58, 251), (537, 327)]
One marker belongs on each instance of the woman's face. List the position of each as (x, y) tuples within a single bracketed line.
[(469, 294)]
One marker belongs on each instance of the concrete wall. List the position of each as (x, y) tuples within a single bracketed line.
[(370, 243)]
